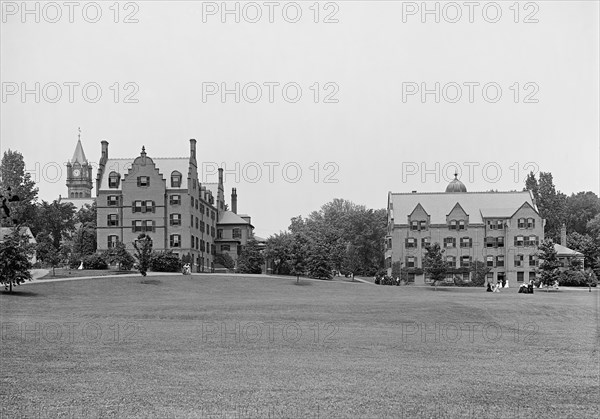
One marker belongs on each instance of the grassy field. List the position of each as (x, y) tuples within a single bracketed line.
[(235, 347), (76, 273)]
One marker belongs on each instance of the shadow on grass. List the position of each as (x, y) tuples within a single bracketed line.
[(150, 282), (20, 293), (302, 283)]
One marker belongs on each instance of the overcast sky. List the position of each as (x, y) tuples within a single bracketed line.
[(370, 132)]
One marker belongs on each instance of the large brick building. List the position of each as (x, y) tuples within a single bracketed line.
[(161, 197), (500, 229)]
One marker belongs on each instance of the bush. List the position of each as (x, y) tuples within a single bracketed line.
[(573, 279), (165, 262), (94, 261)]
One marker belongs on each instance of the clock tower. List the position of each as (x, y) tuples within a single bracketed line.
[(79, 174)]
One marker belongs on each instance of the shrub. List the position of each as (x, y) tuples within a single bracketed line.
[(165, 262), (571, 278), (94, 261)]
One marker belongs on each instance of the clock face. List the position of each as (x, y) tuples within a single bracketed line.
[(76, 172)]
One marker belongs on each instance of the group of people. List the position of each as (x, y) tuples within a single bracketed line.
[(526, 288), (497, 286), (186, 270)]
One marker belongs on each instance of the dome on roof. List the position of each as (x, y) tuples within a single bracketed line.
[(456, 185)]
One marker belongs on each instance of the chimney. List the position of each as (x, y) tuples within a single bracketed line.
[(192, 149), (220, 176), (563, 235), (104, 149), (234, 200)]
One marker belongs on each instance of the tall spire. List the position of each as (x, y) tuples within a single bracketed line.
[(79, 155)]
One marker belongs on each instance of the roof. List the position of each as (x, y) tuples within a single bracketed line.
[(164, 165), (79, 155), (5, 231), (478, 205), (565, 251), (78, 202), (228, 217)]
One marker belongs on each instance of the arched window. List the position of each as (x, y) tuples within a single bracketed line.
[(175, 179), (113, 180)]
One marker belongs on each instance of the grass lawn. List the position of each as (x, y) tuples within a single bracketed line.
[(234, 347)]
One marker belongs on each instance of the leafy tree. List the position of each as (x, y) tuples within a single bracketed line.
[(297, 255), (277, 250), (593, 228), (434, 264), (120, 256), (479, 271), (531, 184), (549, 263), (84, 240), (225, 260), (15, 264), (143, 252), (580, 209), (319, 263), (87, 215), (13, 176), (56, 219), (551, 205), (251, 259), (165, 261), (585, 245)]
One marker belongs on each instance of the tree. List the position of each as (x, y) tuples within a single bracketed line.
[(251, 259), (551, 205), (479, 271), (319, 263), (120, 256), (56, 219), (549, 263), (225, 260), (434, 264), (15, 264), (277, 250), (580, 209), (46, 252), (87, 215), (585, 245), (84, 240), (296, 258), (13, 176), (143, 252)]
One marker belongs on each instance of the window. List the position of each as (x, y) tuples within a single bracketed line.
[(201, 208), (112, 220), (489, 261), (410, 261), (202, 227), (520, 276), (411, 277), (196, 223), (193, 242), (530, 223), (175, 179), (202, 245), (113, 180), (500, 241), (414, 225), (225, 248), (532, 276), (521, 223), (466, 242), (175, 220), (519, 261), (491, 224), (465, 261), (461, 225), (532, 260), (237, 234), (451, 261), (500, 224), (219, 233), (197, 242), (519, 241), (112, 200), (490, 276), (175, 199), (500, 261), (149, 225), (490, 242), (533, 241), (410, 242), (175, 240), (143, 181), (192, 201), (449, 242), (196, 203), (191, 221), (425, 241), (212, 231), (422, 225), (112, 241), (137, 206), (136, 225), (453, 225), (149, 206), (212, 215), (466, 277)]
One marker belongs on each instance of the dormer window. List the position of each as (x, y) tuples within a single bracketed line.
[(414, 225), (530, 223), (521, 223), (453, 225), (461, 225), (113, 180), (176, 179)]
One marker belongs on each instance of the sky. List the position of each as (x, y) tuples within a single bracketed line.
[(303, 102)]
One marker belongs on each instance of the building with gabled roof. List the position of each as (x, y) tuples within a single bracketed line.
[(161, 197), (500, 229)]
